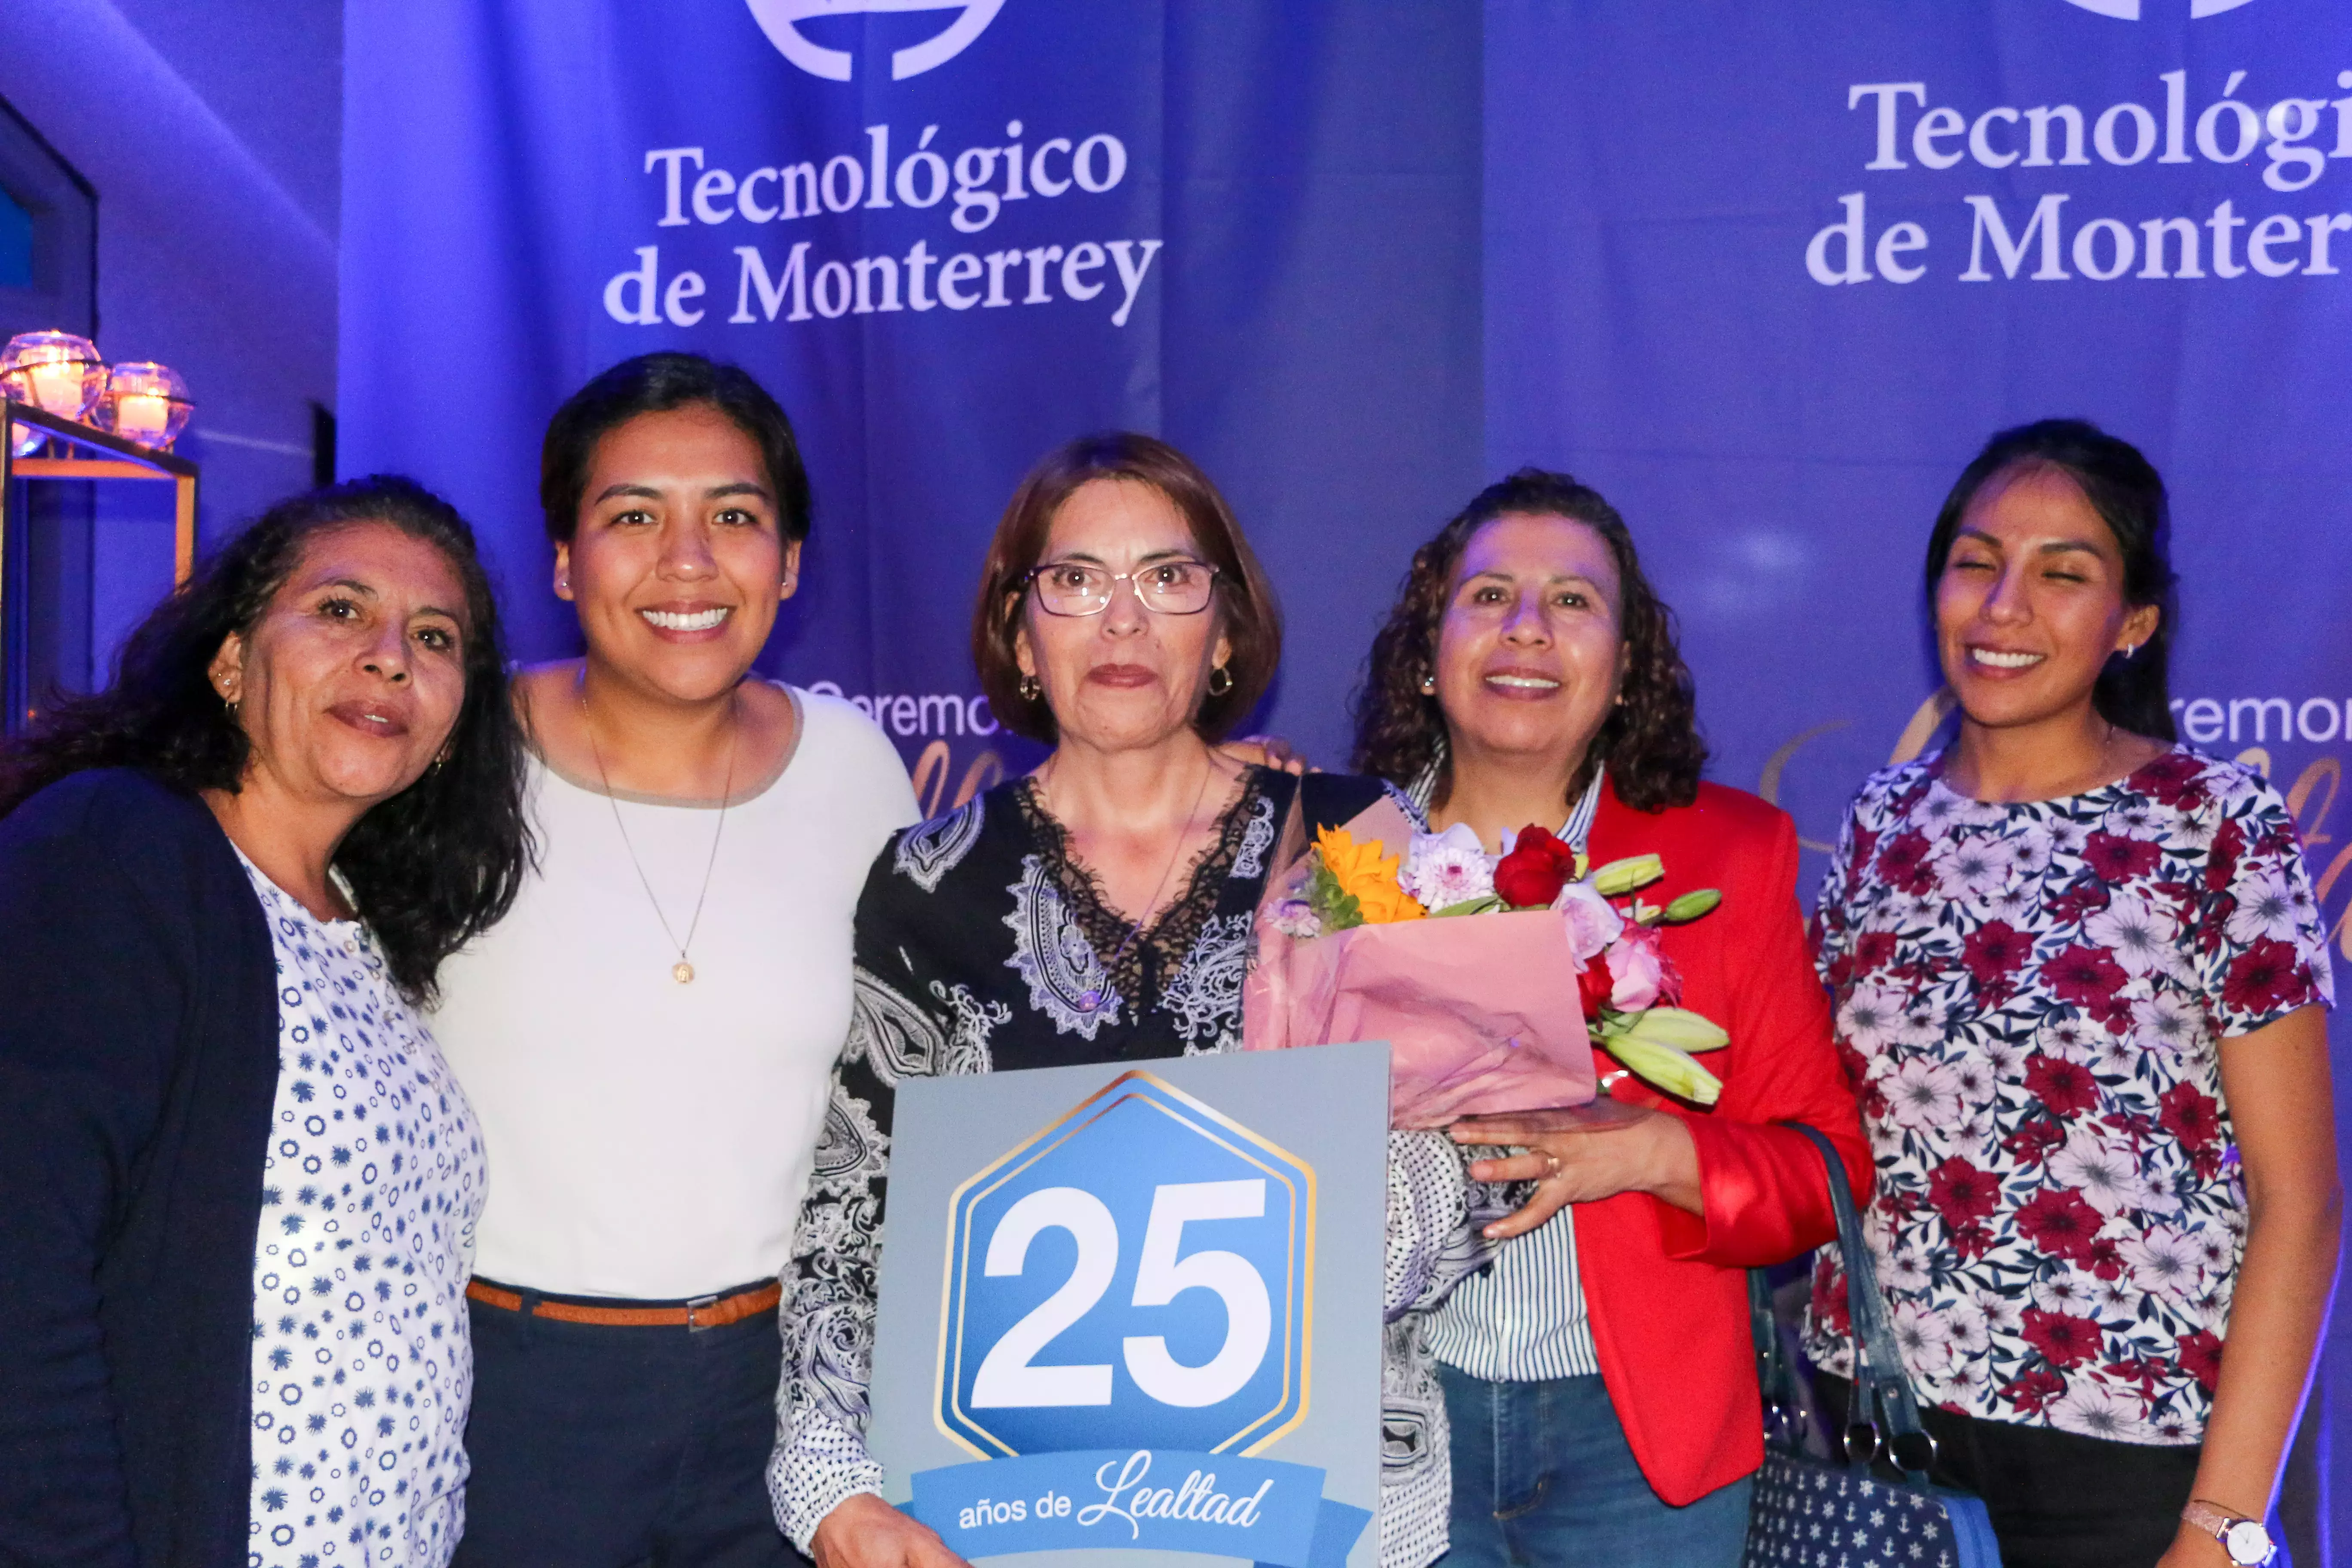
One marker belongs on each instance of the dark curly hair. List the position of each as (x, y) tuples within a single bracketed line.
[(1650, 742), (431, 868), (2122, 487)]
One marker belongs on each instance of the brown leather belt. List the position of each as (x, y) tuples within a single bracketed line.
[(703, 1313)]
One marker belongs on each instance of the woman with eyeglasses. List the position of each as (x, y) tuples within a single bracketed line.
[(1100, 909)]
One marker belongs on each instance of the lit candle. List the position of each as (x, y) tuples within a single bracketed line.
[(143, 416), (60, 386)]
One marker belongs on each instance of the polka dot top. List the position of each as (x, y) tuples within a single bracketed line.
[(361, 1368)]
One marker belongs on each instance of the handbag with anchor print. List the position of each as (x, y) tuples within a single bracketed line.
[(1811, 1513)]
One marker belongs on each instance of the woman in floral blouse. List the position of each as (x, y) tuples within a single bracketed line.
[(2081, 979)]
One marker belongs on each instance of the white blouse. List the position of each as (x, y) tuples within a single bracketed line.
[(651, 1140), (363, 1370)]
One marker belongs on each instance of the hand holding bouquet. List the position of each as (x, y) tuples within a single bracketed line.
[(1492, 977)]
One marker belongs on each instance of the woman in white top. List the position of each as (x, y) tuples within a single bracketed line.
[(647, 1038)]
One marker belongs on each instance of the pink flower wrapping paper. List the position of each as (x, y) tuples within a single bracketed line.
[(1481, 1012)]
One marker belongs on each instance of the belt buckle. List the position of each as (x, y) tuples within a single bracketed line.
[(699, 1304)]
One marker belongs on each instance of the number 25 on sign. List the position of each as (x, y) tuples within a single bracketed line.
[(1139, 1274)]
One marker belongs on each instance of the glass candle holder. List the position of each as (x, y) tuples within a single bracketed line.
[(146, 403), (56, 373)]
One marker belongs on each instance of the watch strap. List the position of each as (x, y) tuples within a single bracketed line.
[(2218, 1522)]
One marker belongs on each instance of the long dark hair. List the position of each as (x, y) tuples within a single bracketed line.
[(2123, 487), (1650, 743), (655, 384), (430, 868)]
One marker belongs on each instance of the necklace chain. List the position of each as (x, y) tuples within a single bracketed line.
[(683, 970)]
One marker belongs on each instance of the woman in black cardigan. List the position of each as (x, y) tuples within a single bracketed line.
[(223, 883)]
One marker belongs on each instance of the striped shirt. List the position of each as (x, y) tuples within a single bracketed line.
[(1523, 1318)]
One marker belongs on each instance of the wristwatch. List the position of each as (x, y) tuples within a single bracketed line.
[(2247, 1540)]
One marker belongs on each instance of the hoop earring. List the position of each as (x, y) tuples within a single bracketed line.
[(1029, 688), (1221, 680), (2129, 649)]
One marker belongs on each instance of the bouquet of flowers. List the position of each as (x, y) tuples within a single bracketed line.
[(1493, 978)]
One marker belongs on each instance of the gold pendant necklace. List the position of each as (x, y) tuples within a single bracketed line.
[(683, 970)]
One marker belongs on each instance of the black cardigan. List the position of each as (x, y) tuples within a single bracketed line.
[(138, 1072)]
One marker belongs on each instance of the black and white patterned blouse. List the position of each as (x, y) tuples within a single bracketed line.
[(980, 945)]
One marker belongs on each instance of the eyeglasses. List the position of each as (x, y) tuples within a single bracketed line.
[(1178, 587)]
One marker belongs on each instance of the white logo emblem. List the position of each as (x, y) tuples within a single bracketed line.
[(780, 18), (2129, 9)]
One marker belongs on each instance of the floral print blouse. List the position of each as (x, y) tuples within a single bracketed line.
[(2030, 998)]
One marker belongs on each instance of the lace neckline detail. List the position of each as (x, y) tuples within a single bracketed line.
[(1170, 936)]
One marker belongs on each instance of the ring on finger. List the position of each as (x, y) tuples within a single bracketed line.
[(1552, 1160)]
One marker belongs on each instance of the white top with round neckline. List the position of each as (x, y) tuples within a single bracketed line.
[(651, 1140)]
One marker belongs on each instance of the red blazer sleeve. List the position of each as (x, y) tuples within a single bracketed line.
[(1766, 1195)]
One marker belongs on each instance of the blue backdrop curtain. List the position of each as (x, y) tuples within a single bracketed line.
[(1766, 276)]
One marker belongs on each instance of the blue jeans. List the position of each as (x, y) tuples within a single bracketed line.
[(1542, 1475)]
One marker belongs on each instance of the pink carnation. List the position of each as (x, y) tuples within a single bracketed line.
[(1638, 969)]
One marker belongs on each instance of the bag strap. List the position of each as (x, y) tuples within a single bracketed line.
[(1880, 1383), (1775, 1378)]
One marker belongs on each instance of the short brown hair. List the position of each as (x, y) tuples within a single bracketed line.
[(1253, 621), (1651, 743)]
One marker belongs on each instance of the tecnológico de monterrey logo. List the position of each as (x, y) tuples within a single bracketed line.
[(781, 19), (2130, 10)]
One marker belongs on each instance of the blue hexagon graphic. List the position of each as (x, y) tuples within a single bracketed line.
[(1138, 1274)]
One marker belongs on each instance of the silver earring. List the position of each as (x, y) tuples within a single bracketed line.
[(1221, 680), (1029, 688), (1429, 686)]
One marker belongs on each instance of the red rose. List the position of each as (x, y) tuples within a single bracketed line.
[(1536, 869), (2086, 976), (2201, 1357), (1961, 1193), (2063, 1339), (2060, 1223), (2065, 1088), (2191, 1115), (1594, 985), (2265, 978)]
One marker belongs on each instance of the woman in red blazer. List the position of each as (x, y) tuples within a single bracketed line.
[(1599, 1379)]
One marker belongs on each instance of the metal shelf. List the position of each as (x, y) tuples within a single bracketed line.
[(76, 451)]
